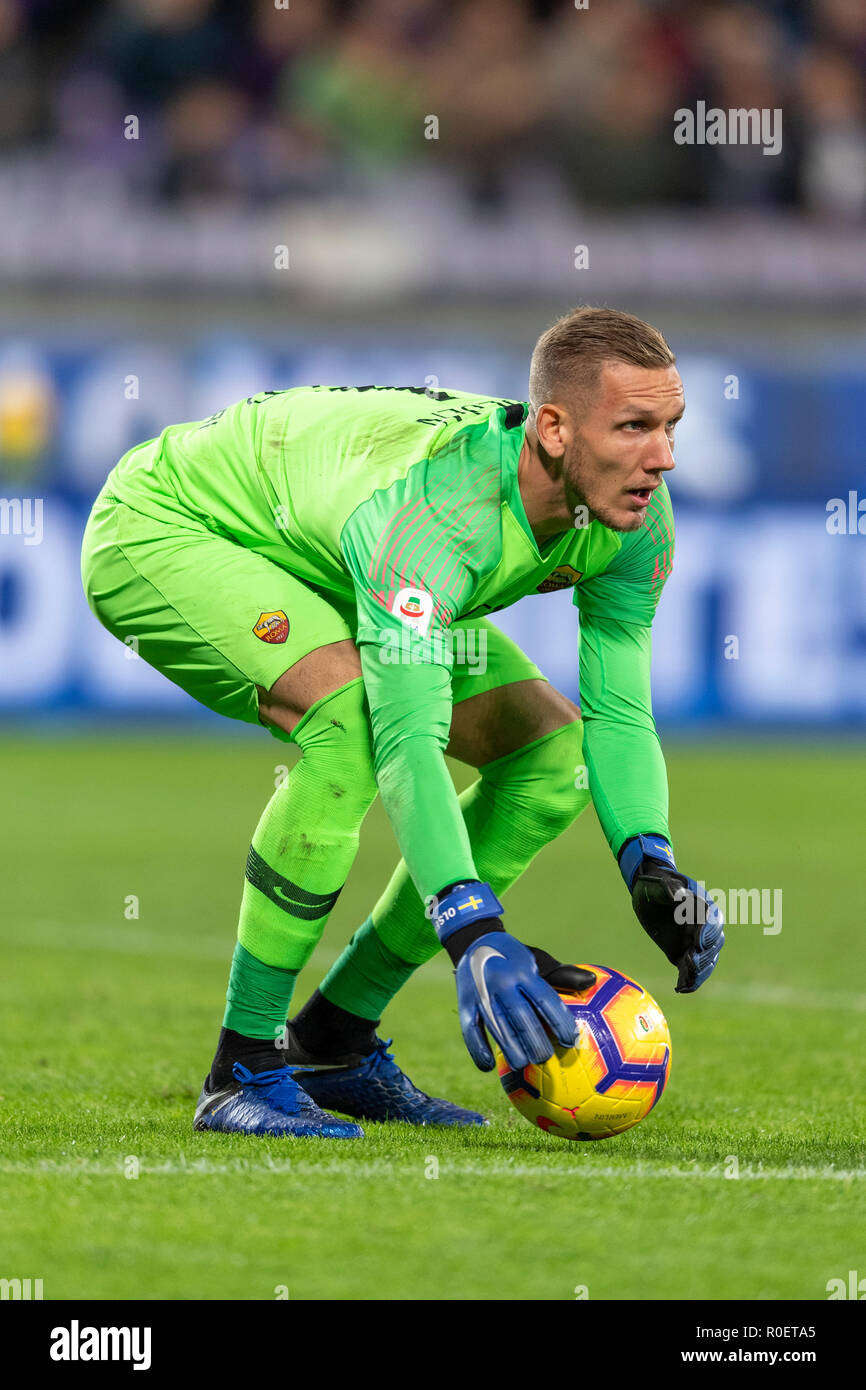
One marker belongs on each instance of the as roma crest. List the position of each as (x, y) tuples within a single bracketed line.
[(561, 578), (272, 627)]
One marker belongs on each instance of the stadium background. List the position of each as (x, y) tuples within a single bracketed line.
[(141, 285)]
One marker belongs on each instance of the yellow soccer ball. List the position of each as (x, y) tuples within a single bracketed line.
[(615, 1075)]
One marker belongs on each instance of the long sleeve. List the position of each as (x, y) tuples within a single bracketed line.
[(410, 713), (624, 759), (415, 552), (625, 763)]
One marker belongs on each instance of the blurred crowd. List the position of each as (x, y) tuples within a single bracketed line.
[(248, 102)]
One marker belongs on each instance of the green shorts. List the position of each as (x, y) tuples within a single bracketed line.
[(220, 620)]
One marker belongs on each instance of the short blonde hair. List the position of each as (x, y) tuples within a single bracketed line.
[(571, 353)]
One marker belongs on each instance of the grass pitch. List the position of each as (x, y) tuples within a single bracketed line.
[(109, 1023)]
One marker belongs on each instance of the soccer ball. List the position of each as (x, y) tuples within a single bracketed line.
[(614, 1076)]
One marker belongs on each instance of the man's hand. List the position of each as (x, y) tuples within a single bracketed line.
[(673, 910), (500, 990)]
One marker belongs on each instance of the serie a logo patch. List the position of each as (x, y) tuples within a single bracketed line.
[(272, 627), (414, 608)]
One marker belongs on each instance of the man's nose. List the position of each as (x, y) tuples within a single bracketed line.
[(659, 457)]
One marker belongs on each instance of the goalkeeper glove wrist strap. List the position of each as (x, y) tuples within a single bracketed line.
[(641, 847), (462, 913)]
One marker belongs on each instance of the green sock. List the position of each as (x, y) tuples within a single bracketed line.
[(258, 996), (307, 839), (300, 856), (518, 805), (367, 975)]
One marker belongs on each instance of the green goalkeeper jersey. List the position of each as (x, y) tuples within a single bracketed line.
[(403, 507)]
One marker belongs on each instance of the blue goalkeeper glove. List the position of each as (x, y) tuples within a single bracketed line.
[(499, 987), (673, 910)]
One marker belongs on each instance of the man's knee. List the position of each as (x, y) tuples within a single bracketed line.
[(318, 674), (336, 741), (505, 719), (321, 702)]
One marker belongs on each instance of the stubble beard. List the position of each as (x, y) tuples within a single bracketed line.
[(579, 492)]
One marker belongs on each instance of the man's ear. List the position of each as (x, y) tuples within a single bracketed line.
[(552, 429)]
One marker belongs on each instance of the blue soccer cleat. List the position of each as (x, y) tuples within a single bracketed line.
[(268, 1102), (377, 1089)]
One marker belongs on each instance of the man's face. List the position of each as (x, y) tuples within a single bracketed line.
[(619, 442)]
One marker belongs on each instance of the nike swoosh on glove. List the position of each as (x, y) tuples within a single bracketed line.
[(501, 993)]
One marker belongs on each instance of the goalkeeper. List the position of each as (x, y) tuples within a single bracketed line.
[(322, 561)]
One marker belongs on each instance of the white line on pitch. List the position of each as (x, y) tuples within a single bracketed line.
[(578, 1170)]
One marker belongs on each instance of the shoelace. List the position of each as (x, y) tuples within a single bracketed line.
[(382, 1063), (382, 1060), (282, 1087)]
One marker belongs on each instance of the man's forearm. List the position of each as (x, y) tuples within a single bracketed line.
[(627, 774), (410, 715), (421, 803), (627, 780)]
